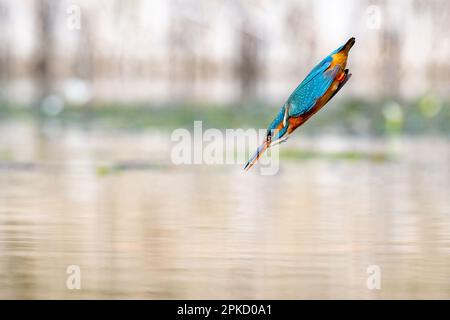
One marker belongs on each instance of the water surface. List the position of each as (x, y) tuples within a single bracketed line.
[(139, 227)]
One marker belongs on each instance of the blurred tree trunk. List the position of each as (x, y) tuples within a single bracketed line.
[(390, 47), (44, 28), (4, 45), (183, 37), (438, 75), (248, 64), (84, 60), (298, 23), (390, 55)]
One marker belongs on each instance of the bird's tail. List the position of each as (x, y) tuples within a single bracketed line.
[(261, 149)]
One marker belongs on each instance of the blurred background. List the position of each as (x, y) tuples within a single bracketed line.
[(90, 92)]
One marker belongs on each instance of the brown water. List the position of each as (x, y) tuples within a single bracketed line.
[(139, 227)]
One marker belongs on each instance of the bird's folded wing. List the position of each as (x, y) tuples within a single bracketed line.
[(311, 89), (319, 68)]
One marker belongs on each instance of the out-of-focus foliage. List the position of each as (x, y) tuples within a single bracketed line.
[(348, 116)]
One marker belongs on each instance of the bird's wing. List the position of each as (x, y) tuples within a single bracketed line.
[(304, 97), (311, 89), (319, 68), (347, 77)]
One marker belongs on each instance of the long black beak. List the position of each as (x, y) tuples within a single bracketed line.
[(347, 46)]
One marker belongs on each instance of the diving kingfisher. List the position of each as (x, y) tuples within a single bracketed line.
[(319, 86)]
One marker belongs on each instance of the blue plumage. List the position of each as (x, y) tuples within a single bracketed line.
[(312, 88)]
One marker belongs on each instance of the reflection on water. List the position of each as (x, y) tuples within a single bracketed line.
[(212, 232)]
